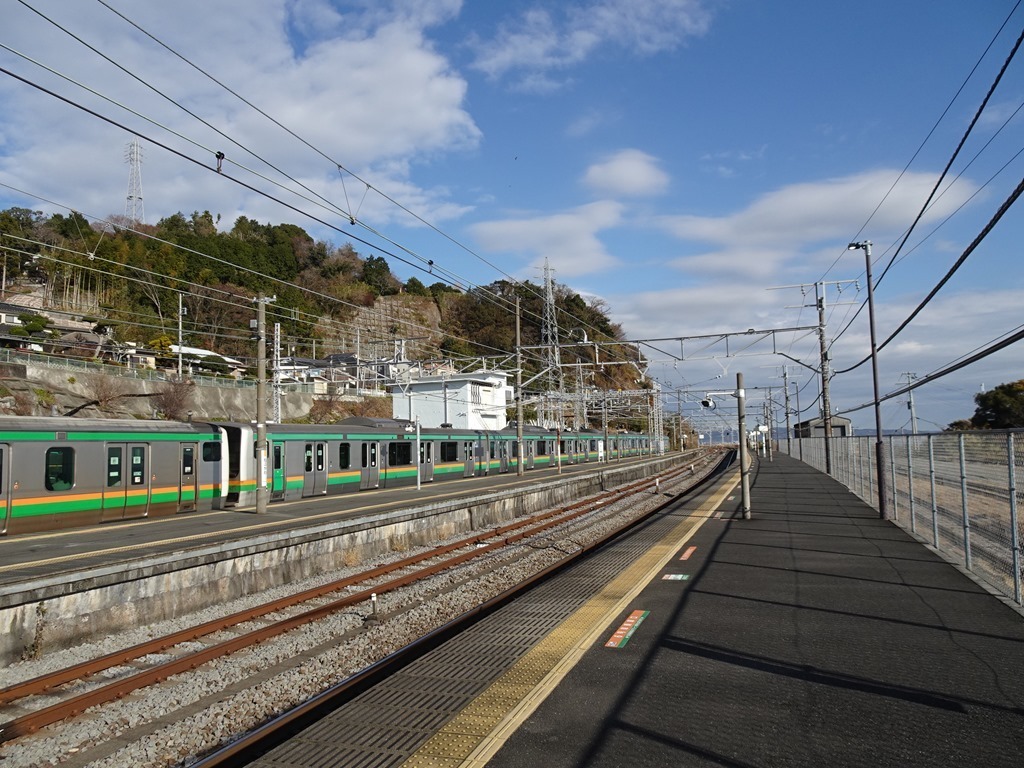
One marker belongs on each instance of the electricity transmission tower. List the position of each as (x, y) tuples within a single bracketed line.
[(549, 340), (134, 210)]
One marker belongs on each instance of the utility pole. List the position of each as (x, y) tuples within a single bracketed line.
[(789, 429), (262, 449), (911, 377), (826, 403), (519, 393), (276, 410), (865, 246), (741, 400), (181, 314)]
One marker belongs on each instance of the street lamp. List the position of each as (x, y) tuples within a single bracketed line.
[(865, 246)]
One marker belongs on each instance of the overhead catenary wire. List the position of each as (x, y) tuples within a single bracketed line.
[(353, 218), (931, 197), (991, 349), (934, 127), (216, 260), (429, 263), (1014, 196), (432, 268)]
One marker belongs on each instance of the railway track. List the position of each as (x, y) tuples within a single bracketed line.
[(133, 669)]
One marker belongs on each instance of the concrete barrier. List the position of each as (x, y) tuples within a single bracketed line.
[(49, 614)]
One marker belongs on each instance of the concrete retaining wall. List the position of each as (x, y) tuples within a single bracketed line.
[(44, 616)]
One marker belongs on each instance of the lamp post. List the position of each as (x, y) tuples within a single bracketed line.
[(865, 246), (741, 423)]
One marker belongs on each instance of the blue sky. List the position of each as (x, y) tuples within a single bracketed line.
[(675, 159)]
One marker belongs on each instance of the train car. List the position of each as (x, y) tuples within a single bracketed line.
[(58, 473), (354, 454)]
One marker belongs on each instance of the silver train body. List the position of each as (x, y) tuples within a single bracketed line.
[(60, 473)]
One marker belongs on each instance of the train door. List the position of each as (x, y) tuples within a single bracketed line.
[(314, 475), (115, 483), (503, 458), (426, 467), (5, 487), (469, 459), (369, 477), (485, 449), (138, 480), (188, 497), (277, 477)]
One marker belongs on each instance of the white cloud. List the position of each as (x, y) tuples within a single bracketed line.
[(627, 173), (782, 228), (567, 240), (540, 41), (370, 92)]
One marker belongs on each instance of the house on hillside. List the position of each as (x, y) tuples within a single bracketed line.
[(190, 355)]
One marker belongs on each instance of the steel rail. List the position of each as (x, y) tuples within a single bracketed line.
[(506, 535)]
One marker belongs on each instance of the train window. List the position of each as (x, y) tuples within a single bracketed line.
[(138, 467), (515, 450), (321, 450), (449, 451), (278, 456), (399, 454), (60, 469), (115, 469), (309, 457), (542, 447), (188, 460), (211, 451), (344, 456)]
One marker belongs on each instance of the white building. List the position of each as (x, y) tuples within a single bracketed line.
[(463, 400)]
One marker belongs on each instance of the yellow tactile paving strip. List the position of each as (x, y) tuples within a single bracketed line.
[(473, 736)]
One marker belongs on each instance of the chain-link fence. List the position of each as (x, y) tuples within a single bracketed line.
[(957, 491)]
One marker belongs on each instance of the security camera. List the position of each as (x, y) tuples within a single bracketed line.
[(707, 402)]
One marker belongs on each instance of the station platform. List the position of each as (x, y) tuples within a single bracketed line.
[(813, 634)]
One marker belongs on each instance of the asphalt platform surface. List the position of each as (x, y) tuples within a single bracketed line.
[(813, 634)]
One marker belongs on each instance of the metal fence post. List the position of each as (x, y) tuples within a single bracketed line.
[(935, 505), (910, 485), (892, 468), (868, 474), (963, 497), (1014, 534)]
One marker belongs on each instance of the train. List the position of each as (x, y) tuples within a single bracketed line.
[(69, 472)]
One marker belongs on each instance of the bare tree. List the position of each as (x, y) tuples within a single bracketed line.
[(174, 399)]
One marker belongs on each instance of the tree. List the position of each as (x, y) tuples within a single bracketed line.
[(1001, 407), (377, 275), (415, 287)]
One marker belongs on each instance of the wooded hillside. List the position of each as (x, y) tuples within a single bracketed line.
[(128, 285)]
